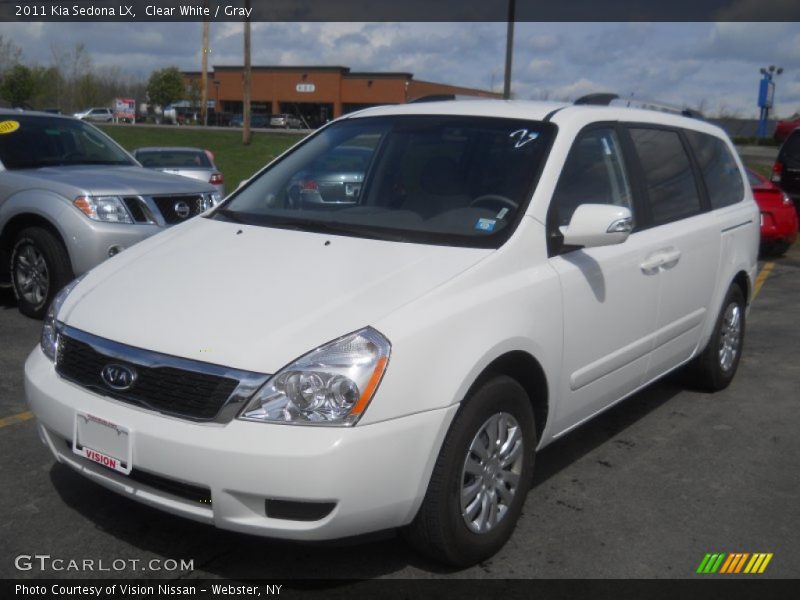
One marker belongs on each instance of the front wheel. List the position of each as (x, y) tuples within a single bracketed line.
[(39, 269), (481, 478), (714, 369)]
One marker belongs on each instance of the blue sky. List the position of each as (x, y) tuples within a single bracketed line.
[(715, 65)]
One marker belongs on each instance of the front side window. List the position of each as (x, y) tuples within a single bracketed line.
[(428, 179), (720, 171), (594, 173), (671, 188), (53, 141)]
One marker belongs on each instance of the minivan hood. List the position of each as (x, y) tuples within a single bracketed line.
[(132, 180), (253, 298)]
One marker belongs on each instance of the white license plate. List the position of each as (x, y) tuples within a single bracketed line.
[(352, 189), (103, 442)]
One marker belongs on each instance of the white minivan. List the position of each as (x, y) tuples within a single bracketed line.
[(393, 355)]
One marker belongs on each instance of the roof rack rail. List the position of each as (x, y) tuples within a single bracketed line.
[(607, 99), (601, 99)]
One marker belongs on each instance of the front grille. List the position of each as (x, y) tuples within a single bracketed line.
[(169, 390), (176, 209), (136, 208), (187, 491)]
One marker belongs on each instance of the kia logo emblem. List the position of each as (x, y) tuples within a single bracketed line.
[(118, 377), (182, 209)]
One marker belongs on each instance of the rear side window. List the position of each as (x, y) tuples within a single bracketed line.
[(671, 188), (720, 172), (790, 151), (593, 174)]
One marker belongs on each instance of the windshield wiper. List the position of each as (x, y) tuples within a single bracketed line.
[(333, 227)]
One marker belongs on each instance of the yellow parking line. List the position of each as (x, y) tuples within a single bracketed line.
[(762, 277), (6, 421)]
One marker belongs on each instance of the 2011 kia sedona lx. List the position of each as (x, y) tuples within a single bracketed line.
[(499, 273)]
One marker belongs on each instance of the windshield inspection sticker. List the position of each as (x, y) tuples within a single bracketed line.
[(8, 127), (523, 136), (503, 212), (485, 224)]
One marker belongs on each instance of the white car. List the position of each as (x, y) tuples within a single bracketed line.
[(505, 272), (96, 115)]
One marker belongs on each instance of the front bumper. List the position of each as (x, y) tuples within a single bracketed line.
[(376, 475), (89, 242)]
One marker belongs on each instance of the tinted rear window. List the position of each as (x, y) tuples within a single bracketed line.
[(720, 172), (671, 187), (790, 151), (175, 159)]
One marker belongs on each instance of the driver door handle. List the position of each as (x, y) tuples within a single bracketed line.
[(663, 259)]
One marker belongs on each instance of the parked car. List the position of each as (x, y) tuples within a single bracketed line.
[(786, 126), (286, 121), (511, 269), (96, 115), (786, 169), (335, 178), (188, 162), (258, 121), (70, 197), (778, 215)]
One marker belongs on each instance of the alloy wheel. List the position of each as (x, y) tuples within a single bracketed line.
[(491, 473)]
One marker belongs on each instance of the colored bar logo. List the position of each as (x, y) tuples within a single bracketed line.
[(734, 563)]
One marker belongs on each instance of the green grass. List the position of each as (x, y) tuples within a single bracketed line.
[(235, 160)]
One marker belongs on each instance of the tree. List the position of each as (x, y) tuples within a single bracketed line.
[(10, 54), (18, 85), (166, 86)]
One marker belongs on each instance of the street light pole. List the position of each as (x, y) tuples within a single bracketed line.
[(509, 50), (766, 96)]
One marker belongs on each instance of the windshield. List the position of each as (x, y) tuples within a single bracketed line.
[(174, 159), (430, 179), (38, 141)]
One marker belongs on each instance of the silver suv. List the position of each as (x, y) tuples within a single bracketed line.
[(70, 197)]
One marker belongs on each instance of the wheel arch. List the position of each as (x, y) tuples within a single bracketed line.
[(743, 281), (529, 373), (22, 221)]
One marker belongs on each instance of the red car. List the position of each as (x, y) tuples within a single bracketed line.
[(778, 215), (785, 127)]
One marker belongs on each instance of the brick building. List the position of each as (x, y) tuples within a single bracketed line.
[(319, 93)]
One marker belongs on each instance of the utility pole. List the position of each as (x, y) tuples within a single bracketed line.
[(246, 80), (509, 50), (204, 74)]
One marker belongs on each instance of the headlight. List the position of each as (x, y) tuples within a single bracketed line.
[(49, 341), (110, 209), (331, 385)]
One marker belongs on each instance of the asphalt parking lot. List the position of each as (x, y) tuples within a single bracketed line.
[(646, 490)]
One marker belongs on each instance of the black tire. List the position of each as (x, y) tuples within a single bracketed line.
[(439, 530), (57, 271), (775, 248), (709, 372)]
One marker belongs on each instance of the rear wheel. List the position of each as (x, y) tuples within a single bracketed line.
[(776, 248), (481, 477), (714, 369), (39, 269)]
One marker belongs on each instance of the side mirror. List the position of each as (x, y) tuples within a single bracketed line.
[(598, 225)]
